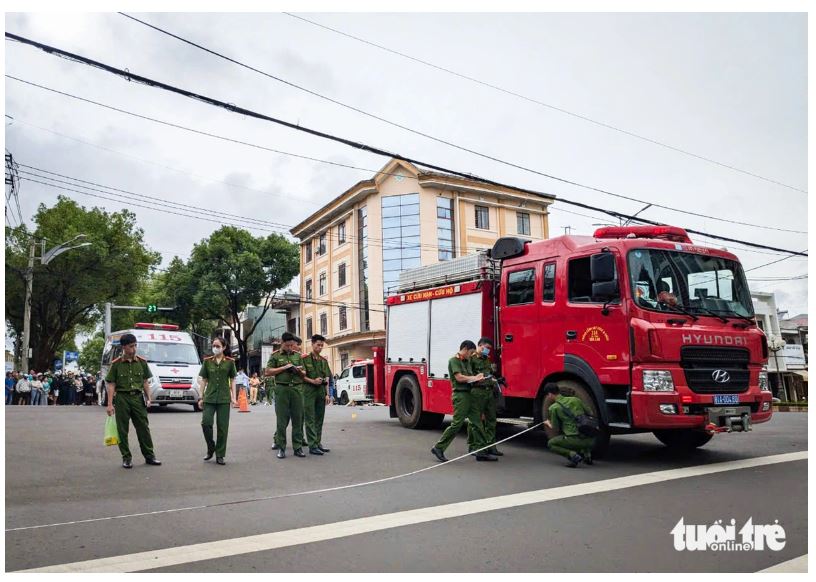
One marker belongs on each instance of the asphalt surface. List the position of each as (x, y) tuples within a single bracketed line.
[(58, 470)]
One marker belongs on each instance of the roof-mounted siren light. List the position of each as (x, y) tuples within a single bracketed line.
[(162, 326), (507, 247), (670, 233)]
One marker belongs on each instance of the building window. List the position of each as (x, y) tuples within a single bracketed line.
[(343, 318), (309, 328), (307, 252), (308, 288), (341, 233), (400, 229), (341, 275), (362, 267), (521, 287), (344, 360), (321, 284), (549, 282), (482, 217), (321, 245), (523, 223), (324, 324), (444, 228)]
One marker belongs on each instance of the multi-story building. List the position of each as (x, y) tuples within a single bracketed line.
[(354, 247)]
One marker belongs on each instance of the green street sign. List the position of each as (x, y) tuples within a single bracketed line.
[(152, 309)]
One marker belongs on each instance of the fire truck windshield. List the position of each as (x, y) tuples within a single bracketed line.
[(701, 284)]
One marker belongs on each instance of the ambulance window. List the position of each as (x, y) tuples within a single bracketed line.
[(358, 372), (345, 373), (521, 287), (549, 282)]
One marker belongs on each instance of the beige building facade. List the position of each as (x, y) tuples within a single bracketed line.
[(353, 248)]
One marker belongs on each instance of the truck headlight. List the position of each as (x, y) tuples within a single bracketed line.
[(657, 381), (763, 381)]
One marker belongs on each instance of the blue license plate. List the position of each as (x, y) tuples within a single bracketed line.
[(726, 399)]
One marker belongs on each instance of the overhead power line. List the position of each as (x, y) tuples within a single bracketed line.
[(544, 104), (351, 143), (446, 142)]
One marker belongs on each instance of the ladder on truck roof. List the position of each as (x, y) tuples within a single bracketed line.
[(467, 268)]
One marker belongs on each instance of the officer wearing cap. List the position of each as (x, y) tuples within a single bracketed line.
[(216, 382), (128, 383), (286, 365)]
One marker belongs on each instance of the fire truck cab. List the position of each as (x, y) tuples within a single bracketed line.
[(653, 332)]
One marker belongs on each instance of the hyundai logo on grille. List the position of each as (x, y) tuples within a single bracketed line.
[(721, 376)]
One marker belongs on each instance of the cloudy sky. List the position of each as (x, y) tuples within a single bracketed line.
[(730, 87)]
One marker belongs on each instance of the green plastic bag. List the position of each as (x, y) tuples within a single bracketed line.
[(111, 434)]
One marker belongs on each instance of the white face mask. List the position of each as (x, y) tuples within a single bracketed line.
[(217, 351)]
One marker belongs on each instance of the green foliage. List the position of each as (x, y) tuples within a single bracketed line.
[(69, 291), (231, 270), (90, 356)]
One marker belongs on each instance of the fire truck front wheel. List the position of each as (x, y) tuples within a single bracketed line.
[(571, 387), (408, 400), (683, 439)]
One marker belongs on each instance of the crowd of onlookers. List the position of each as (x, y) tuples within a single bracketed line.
[(47, 388)]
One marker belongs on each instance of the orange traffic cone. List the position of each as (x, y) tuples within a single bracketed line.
[(242, 402)]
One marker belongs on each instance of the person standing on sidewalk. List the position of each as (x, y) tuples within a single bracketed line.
[(465, 407), (316, 395), (128, 383), (216, 383), (287, 367), (23, 389)]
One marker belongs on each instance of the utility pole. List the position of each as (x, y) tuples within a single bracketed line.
[(45, 258)]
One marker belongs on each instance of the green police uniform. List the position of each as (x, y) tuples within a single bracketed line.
[(485, 393), (314, 398), (288, 398), (464, 406), (217, 398), (129, 377), (570, 441)]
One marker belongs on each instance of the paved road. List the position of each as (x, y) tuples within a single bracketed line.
[(58, 471)]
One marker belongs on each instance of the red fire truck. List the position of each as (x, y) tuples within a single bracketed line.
[(653, 332)]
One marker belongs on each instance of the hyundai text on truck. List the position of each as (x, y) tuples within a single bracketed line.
[(654, 333), (171, 356)]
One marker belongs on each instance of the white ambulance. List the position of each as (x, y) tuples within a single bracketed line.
[(356, 382), (172, 357)]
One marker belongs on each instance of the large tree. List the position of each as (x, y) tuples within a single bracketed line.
[(70, 290), (90, 356), (232, 270)]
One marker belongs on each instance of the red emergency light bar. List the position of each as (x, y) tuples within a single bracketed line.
[(164, 326), (672, 233)]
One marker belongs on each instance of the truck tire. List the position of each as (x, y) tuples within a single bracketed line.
[(575, 388), (683, 439), (408, 402)]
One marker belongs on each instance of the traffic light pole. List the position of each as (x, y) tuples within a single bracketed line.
[(110, 306)]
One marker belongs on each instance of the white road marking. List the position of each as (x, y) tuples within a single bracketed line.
[(295, 537), (797, 565)]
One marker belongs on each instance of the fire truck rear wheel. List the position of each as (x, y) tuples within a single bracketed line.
[(408, 401), (575, 388), (683, 439)]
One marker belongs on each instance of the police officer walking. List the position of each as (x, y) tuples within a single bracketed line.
[(563, 412), (316, 395), (126, 381), (287, 367), (486, 393), (465, 406), (216, 382)]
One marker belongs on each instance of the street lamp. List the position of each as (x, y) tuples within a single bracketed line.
[(45, 258)]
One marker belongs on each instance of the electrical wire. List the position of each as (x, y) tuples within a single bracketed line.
[(351, 143), (538, 102), (445, 142)]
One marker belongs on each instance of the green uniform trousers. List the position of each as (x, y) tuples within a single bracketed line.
[(289, 406), (314, 410), (488, 413), (466, 406), (131, 406), (220, 413), (569, 445)]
